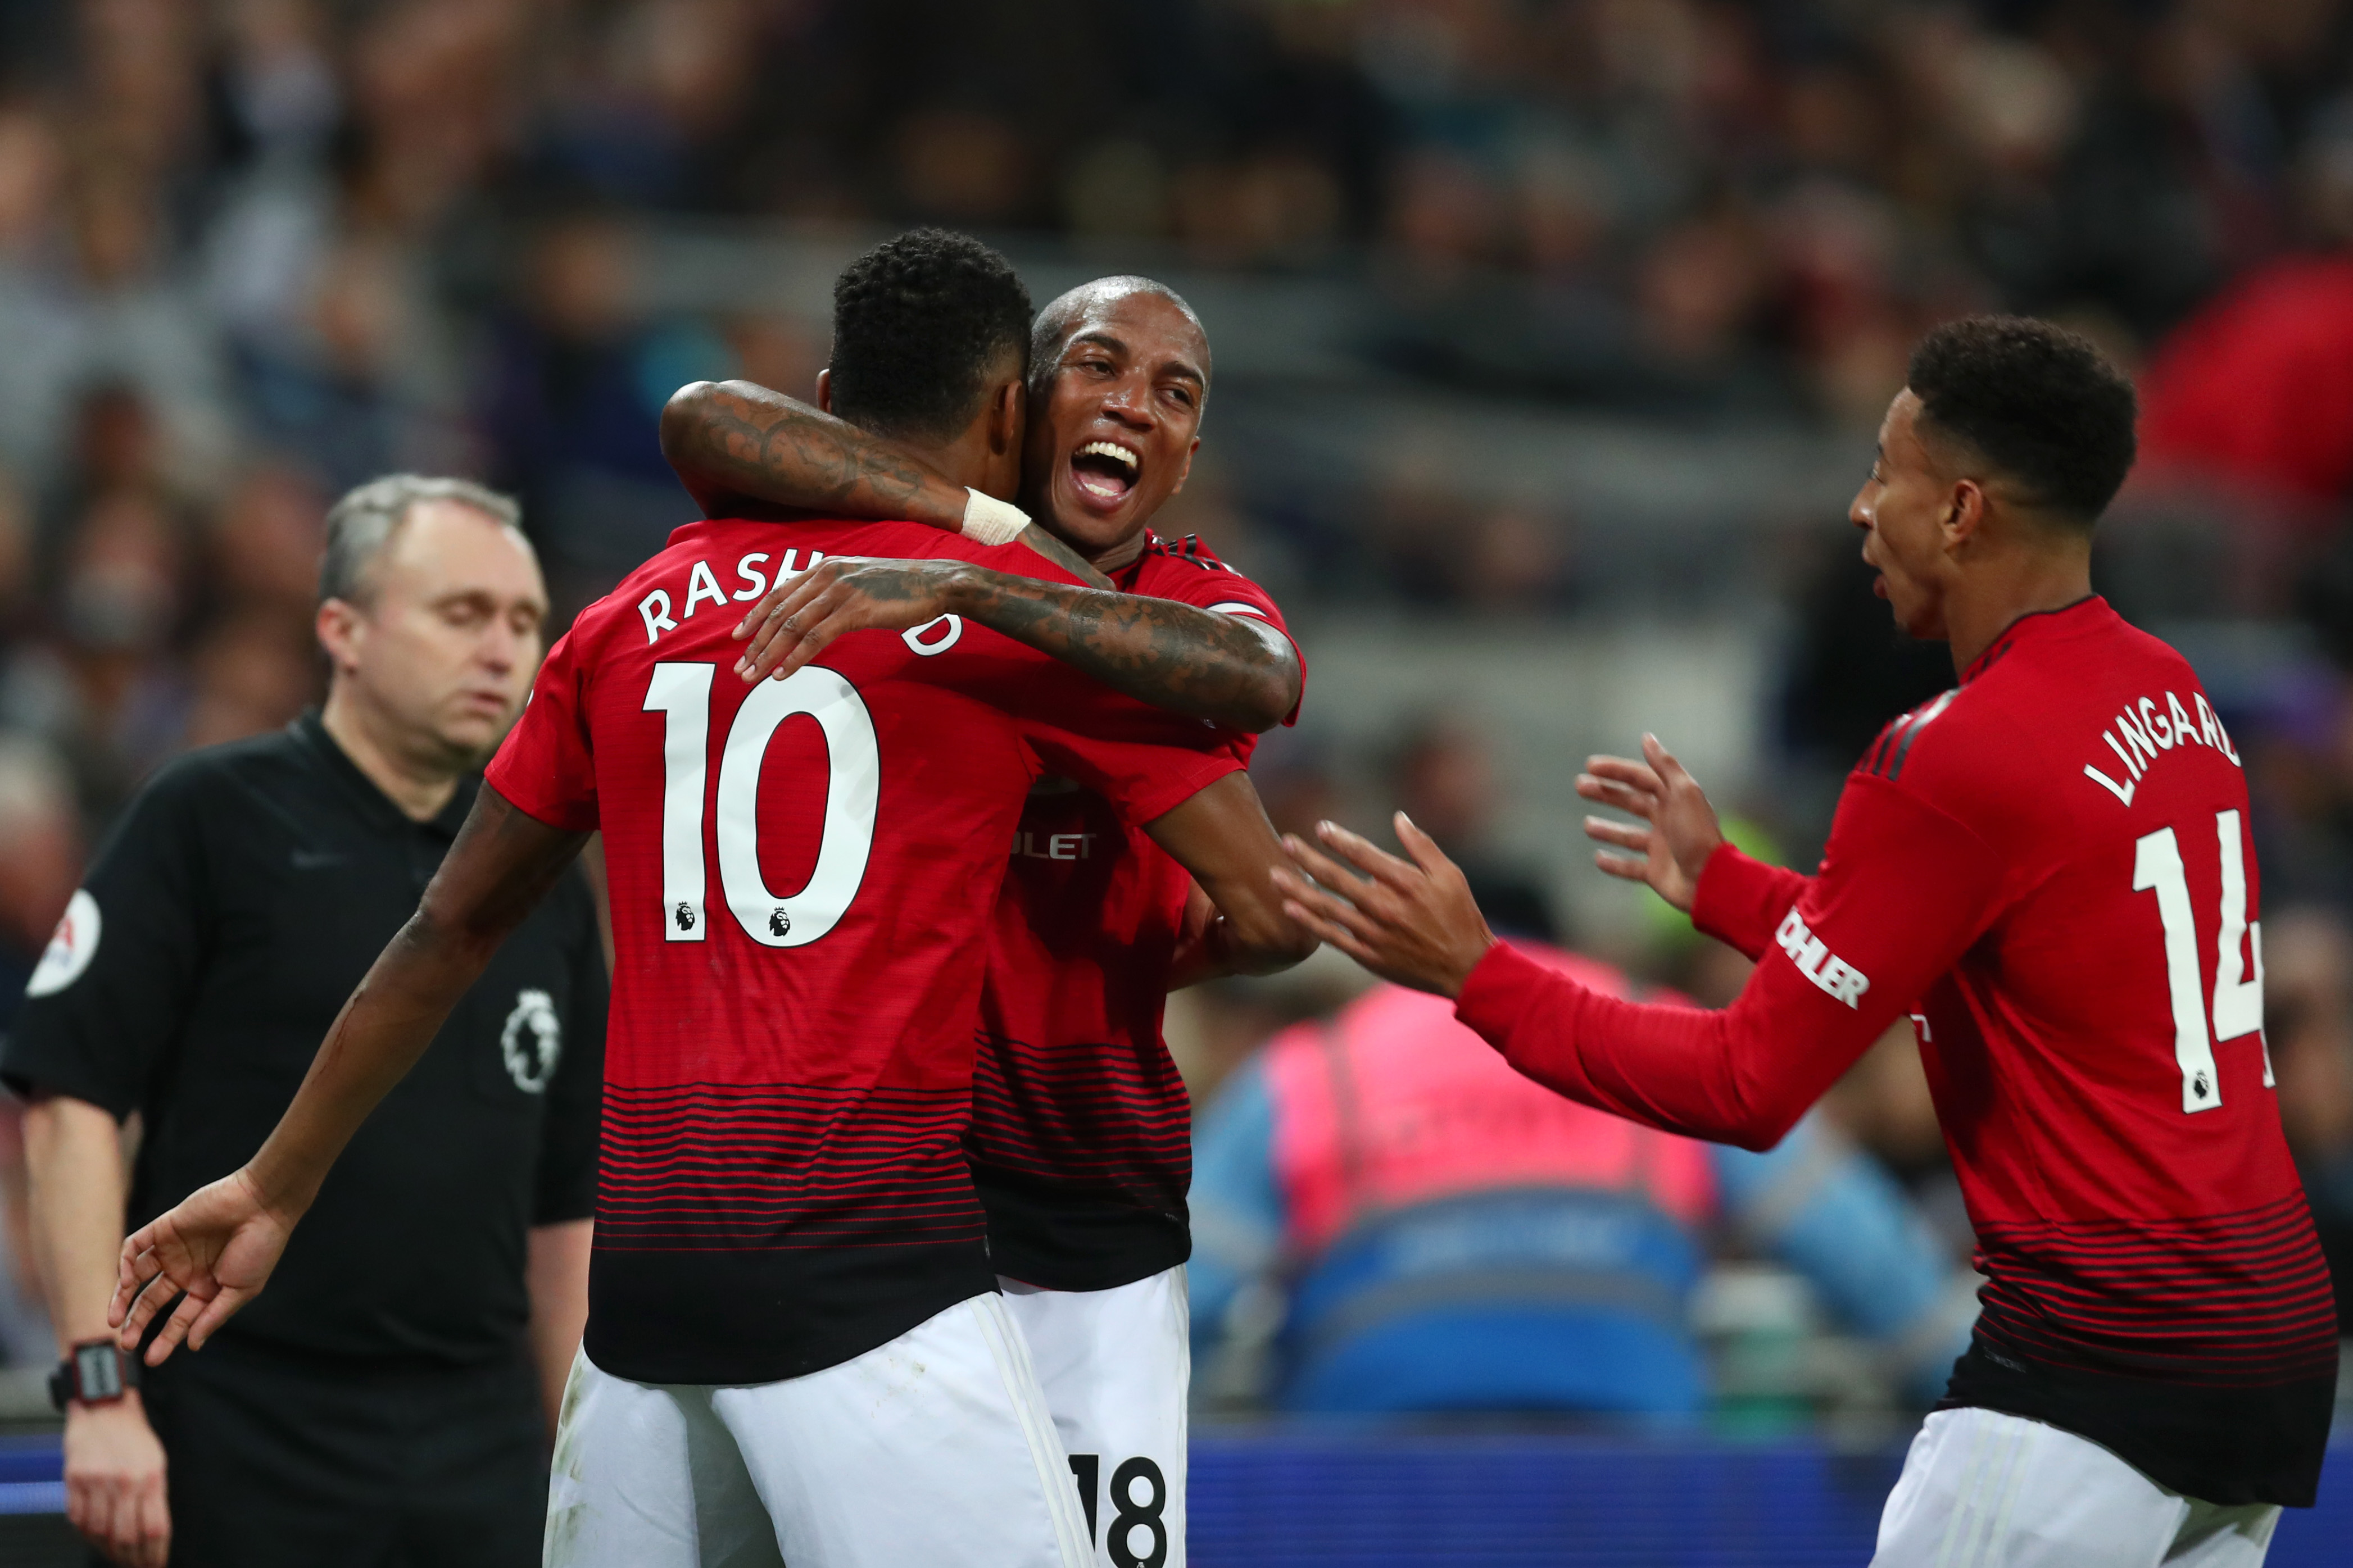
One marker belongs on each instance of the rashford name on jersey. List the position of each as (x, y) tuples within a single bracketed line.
[(2081, 945), (801, 874), (702, 586), (1081, 1134)]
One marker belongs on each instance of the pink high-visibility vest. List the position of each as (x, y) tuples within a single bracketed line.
[(1393, 1103)]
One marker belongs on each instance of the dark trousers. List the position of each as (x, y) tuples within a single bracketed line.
[(277, 1461)]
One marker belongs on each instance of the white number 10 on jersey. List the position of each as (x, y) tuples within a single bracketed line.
[(2238, 996), (681, 694)]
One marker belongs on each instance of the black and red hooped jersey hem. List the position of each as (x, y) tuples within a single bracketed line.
[(761, 1167)]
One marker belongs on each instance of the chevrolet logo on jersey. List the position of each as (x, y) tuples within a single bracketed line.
[(1837, 978)]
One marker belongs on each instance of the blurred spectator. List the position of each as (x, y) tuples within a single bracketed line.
[(355, 383), (283, 224), (256, 664), (1446, 783), (252, 674), (266, 544), (40, 861), (32, 350), (1297, 779), (1281, 207), (657, 99), (577, 382), (2308, 1031), (106, 300), (118, 697), (2299, 761), (1435, 1233), (2256, 389), (116, 450), (781, 351), (16, 566)]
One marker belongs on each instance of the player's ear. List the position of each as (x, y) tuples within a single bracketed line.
[(1964, 513), (825, 390), (1005, 416), (1185, 470)]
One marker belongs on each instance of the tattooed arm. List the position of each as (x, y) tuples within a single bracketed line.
[(735, 442), (736, 446), (1229, 669)]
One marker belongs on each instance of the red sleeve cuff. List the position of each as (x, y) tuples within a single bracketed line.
[(1497, 991), (1740, 901)]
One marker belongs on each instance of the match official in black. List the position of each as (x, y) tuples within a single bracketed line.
[(388, 1402)]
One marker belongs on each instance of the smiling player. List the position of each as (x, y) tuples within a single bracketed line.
[(797, 1350), (1080, 1139), (1119, 375)]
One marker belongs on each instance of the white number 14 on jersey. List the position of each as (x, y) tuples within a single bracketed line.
[(2238, 995)]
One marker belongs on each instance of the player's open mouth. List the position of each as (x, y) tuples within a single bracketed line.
[(1105, 471)]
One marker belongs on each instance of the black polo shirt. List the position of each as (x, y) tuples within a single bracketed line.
[(224, 924)]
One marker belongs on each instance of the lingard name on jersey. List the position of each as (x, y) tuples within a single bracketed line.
[(2143, 732)]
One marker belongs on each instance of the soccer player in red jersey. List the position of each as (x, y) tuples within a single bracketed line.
[(796, 1351), (1080, 1141), (2049, 867)]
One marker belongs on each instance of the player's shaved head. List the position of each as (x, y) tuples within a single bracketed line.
[(1118, 376), (922, 325), (1064, 314)]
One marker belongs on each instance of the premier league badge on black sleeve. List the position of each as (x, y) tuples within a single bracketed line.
[(71, 947), (532, 1041)]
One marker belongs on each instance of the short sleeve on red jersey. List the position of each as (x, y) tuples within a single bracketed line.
[(1142, 760), (545, 767), (1191, 574)]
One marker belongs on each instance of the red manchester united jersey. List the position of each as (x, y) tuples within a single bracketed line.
[(2050, 867), (1081, 1133), (800, 874)]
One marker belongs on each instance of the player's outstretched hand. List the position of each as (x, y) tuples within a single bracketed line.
[(214, 1251), (1411, 921), (1670, 853), (801, 615)]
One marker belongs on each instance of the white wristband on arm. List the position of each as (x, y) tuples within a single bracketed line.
[(990, 520)]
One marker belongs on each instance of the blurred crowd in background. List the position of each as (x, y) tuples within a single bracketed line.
[(255, 251)]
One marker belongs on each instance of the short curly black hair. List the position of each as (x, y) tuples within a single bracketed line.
[(918, 322), (2038, 402)]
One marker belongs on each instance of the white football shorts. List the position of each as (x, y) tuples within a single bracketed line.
[(935, 1447), (1116, 1366), (1982, 1490)]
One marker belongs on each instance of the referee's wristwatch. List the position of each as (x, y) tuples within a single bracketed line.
[(96, 1373)]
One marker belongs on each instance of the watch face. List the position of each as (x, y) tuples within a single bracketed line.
[(101, 1370)]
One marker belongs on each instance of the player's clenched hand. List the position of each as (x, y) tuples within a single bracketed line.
[(1670, 853), (115, 1481), (1411, 921), (215, 1250), (799, 618)]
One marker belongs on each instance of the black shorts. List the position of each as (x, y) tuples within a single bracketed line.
[(277, 1460)]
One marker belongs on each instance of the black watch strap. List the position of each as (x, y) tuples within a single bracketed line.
[(94, 1372)]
